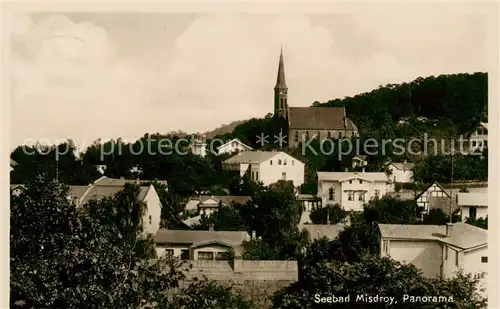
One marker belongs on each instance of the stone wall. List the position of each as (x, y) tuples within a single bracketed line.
[(257, 280)]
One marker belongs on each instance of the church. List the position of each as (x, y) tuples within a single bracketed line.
[(305, 123)]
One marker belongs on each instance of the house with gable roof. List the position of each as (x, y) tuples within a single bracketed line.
[(267, 166), (234, 145), (352, 189), (199, 245), (400, 171), (107, 187), (437, 250)]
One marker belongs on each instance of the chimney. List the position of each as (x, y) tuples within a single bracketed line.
[(211, 227), (254, 234), (449, 229)]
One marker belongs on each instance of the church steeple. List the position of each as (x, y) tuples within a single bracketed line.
[(280, 91)]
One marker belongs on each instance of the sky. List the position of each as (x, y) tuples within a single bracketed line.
[(86, 76)]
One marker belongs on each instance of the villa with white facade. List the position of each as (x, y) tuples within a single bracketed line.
[(267, 166), (352, 189), (400, 171), (473, 205), (438, 250)]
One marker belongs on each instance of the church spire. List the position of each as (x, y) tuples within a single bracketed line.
[(280, 82), (280, 91)]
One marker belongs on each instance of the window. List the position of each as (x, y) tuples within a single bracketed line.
[(257, 176), (205, 255), (279, 162), (361, 197), (456, 258), (446, 253), (307, 135), (150, 219), (472, 212), (222, 256), (292, 162), (377, 193), (484, 259), (340, 135), (284, 162), (350, 196), (329, 135), (169, 252), (271, 162), (253, 176), (350, 181), (296, 136), (386, 246), (360, 182), (184, 254), (331, 194), (318, 135), (283, 176)]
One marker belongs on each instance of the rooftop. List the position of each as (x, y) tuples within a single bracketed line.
[(462, 235), (319, 118), (342, 176), (252, 157), (473, 199), (231, 238)]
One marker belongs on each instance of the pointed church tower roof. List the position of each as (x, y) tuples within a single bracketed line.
[(280, 82)]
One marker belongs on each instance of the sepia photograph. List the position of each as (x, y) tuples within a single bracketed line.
[(273, 155)]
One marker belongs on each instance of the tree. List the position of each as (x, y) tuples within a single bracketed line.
[(374, 276), (479, 222), (330, 214), (90, 257), (205, 294), (226, 218)]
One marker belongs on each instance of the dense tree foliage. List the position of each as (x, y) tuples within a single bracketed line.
[(372, 276), (330, 214), (442, 97), (94, 257)]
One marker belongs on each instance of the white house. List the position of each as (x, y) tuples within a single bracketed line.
[(438, 250), (199, 245), (400, 171), (108, 187), (359, 161), (473, 205), (478, 140), (267, 166), (234, 145), (352, 189), (198, 145), (208, 204)]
